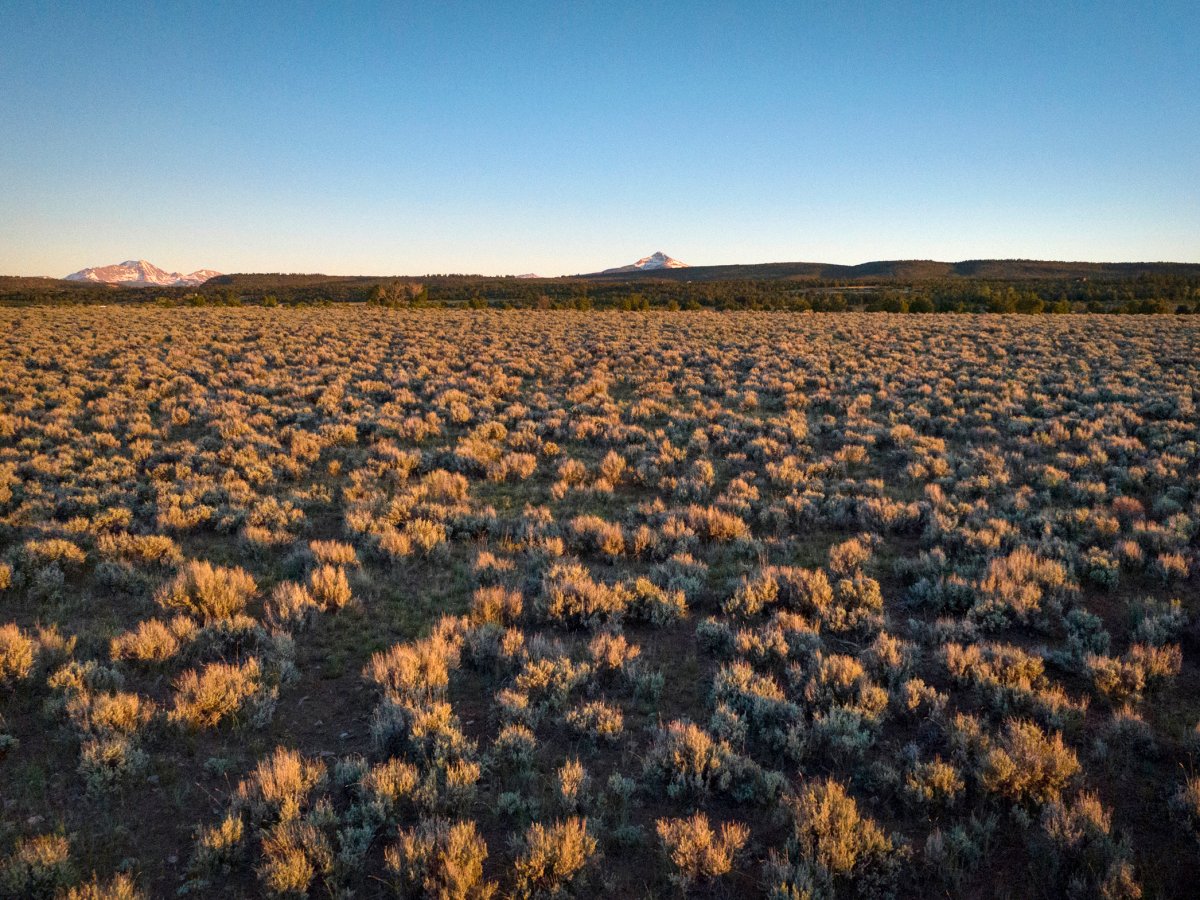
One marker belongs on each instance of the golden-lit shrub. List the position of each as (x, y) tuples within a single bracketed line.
[(714, 525), (333, 553), (120, 887), (570, 596), (278, 788), (572, 781), (612, 467), (290, 605), (220, 691), (208, 592), (17, 652), (143, 548), (440, 859), (1028, 766), (1144, 666), (612, 652), (414, 672), (698, 853), (1081, 855), (849, 556), (593, 534), (329, 587), (831, 846), (39, 866), (496, 605), (597, 719), (425, 535), (1017, 584), (553, 858), (752, 596), (293, 854), (54, 550), (805, 590), (935, 783), (153, 641)]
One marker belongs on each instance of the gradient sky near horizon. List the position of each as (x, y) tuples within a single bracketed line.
[(503, 138)]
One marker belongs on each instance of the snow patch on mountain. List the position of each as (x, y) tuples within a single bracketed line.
[(139, 271), (656, 260)]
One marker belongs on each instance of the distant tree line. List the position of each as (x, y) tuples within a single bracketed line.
[(1143, 294)]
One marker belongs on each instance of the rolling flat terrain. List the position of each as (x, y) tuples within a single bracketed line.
[(461, 604)]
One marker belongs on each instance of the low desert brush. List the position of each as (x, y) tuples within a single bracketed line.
[(208, 592), (697, 852), (551, 859)]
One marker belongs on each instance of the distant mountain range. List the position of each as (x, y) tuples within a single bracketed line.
[(138, 272), (657, 266), (653, 262)]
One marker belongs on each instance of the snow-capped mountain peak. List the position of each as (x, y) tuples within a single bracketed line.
[(656, 260), (139, 271)]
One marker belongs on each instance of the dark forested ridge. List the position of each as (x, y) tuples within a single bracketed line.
[(1023, 286), (915, 269)]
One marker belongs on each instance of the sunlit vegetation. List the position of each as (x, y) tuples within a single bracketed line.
[(373, 602)]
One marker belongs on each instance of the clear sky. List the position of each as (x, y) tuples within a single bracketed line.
[(563, 137)]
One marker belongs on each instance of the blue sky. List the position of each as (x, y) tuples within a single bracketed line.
[(566, 137)]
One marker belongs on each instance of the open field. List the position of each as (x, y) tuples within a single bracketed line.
[(455, 604)]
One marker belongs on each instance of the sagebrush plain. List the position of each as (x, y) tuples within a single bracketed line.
[(364, 602)]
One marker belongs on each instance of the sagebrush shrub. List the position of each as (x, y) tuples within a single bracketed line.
[(715, 525), (831, 846), (597, 719), (208, 592), (1080, 854), (686, 758), (293, 854), (570, 596), (849, 556), (17, 652), (414, 672), (612, 652), (752, 596), (553, 858), (1142, 667), (120, 887), (278, 788), (39, 866), (333, 553), (496, 605), (290, 605), (440, 859), (153, 641), (204, 698), (596, 535), (1016, 586), (934, 783), (1185, 803), (697, 853), (659, 606), (572, 781), (55, 550), (1028, 766), (329, 586)]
